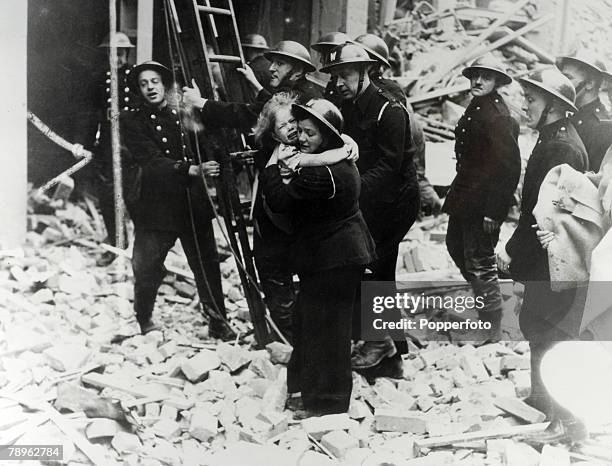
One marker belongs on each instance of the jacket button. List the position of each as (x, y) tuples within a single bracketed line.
[(127, 71), (153, 117), (579, 122), (597, 109), (167, 151), (173, 112), (108, 81), (126, 108), (469, 118), (463, 130), (108, 73), (563, 128), (127, 99), (178, 122), (477, 108), (164, 139), (126, 89), (158, 128)]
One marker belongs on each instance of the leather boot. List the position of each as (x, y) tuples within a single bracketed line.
[(392, 367), (372, 353), (479, 337)]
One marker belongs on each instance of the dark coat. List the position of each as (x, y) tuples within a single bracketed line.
[(488, 160), (558, 143), (595, 129), (323, 204), (128, 99), (380, 125), (155, 142)]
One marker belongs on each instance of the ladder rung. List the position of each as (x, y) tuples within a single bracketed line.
[(214, 11), (224, 58)]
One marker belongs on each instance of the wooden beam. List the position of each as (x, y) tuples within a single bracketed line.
[(475, 44), (439, 93), (444, 440), (144, 40)]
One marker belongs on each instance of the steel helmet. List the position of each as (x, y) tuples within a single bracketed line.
[(554, 84), (375, 46), (123, 41), (255, 41), (585, 58), (330, 40), (347, 54), (325, 113), (293, 51), (165, 72), (488, 63)]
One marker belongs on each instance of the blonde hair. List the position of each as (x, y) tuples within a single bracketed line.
[(267, 118)]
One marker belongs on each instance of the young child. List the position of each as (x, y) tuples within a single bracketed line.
[(277, 126)]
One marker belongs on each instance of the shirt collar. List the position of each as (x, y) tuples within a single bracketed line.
[(548, 131), (590, 107)]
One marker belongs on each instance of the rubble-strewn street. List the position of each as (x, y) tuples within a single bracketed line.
[(176, 397)]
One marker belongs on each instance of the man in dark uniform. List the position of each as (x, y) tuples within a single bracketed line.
[(172, 202), (254, 47), (587, 73), (289, 63), (545, 313), (389, 197), (488, 171), (324, 46), (103, 154), (377, 50)]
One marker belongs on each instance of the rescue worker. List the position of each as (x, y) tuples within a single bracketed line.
[(592, 121), (488, 171), (324, 46), (377, 50), (102, 150), (289, 63), (254, 46), (389, 198), (172, 203), (548, 97)]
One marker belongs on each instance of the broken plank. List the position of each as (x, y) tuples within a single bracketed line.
[(439, 93), (520, 409), (102, 381), (479, 435)]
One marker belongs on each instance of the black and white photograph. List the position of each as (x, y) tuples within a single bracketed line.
[(306, 233)]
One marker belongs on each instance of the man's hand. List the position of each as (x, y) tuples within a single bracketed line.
[(545, 237), (192, 98), (503, 260), (489, 225), (351, 146), (248, 74), (211, 168)]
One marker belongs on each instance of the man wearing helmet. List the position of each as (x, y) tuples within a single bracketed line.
[(289, 63), (544, 313), (254, 47), (488, 171), (103, 155), (592, 121), (171, 202), (324, 46), (389, 196)]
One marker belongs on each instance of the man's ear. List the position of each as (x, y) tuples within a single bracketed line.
[(297, 71), (592, 83)]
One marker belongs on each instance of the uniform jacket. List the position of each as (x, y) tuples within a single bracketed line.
[(244, 115), (155, 143), (594, 126), (101, 117), (388, 175), (323, 203), (558, 143), (488, 160)]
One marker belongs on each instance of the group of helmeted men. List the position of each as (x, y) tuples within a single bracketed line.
[(170, 202)]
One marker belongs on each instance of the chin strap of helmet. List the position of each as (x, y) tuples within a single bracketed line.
[(331, 89), (362, 71), (544, 115)]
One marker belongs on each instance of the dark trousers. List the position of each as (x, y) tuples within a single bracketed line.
[(473, 251), (279, 290), (320, 365), (150, 250)]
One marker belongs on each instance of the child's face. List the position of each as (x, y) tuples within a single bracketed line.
[(310, 136), (285, 127)]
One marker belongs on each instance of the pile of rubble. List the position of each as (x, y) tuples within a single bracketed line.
[(178, 398)]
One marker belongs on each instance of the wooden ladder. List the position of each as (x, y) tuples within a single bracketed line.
[(210, 52)]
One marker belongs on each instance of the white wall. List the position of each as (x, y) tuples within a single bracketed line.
[(13, 123)]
